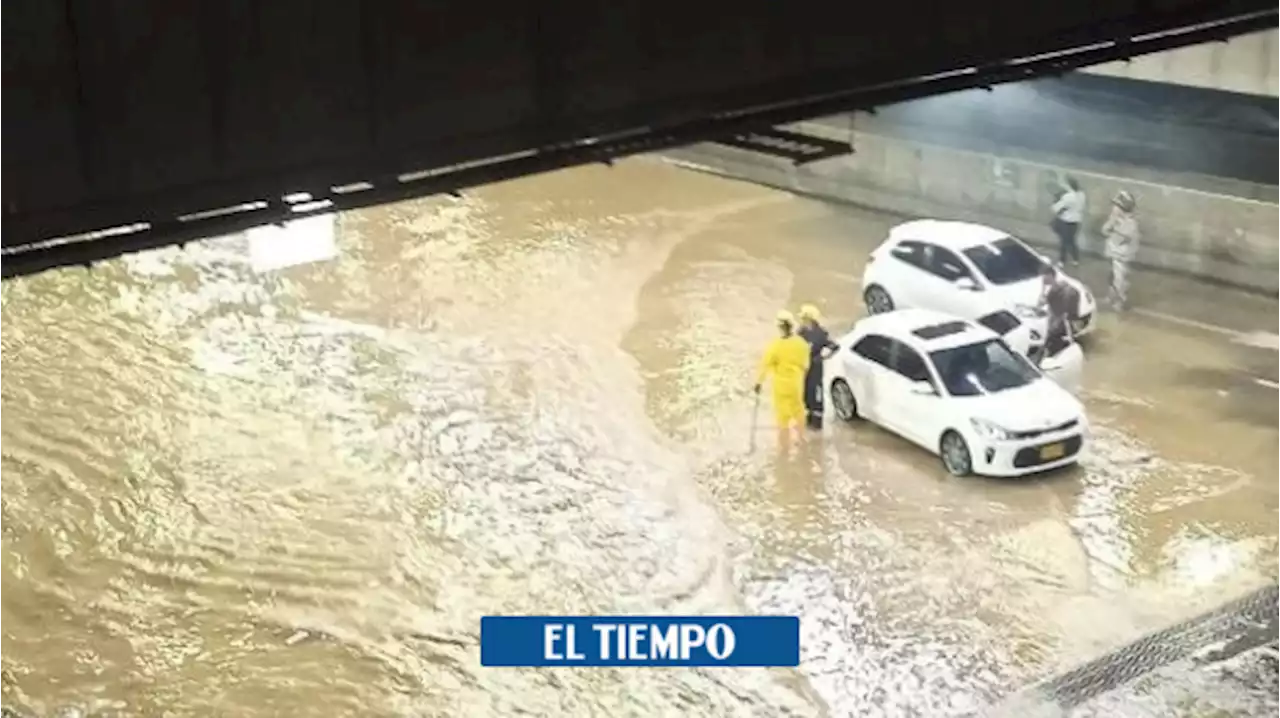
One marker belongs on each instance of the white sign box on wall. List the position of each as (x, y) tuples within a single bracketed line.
[(302, 241)]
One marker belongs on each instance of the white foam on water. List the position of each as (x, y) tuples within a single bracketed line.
[(1260, 340)]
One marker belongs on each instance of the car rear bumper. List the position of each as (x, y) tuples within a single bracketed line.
[(1021, 457)]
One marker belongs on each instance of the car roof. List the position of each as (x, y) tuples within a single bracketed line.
[(925, 329), (946, 233)]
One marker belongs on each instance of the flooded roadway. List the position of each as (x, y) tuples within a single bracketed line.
[(295, 493)]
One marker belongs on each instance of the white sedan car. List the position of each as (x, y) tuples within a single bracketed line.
[(964, 269), (958, 390)]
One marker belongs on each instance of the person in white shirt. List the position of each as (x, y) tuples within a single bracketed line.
[(1068, 213)]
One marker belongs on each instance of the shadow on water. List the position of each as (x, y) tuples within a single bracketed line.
[(915, 475), (1246, 400)]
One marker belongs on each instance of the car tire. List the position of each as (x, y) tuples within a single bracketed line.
[(843, 401), (877, 300), (955, 454)]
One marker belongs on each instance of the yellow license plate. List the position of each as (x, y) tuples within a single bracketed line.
[(1052, 451)]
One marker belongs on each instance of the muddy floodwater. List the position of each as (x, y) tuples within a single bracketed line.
[(295, 492)]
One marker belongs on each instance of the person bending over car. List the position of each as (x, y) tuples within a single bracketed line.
[(1063, 303)]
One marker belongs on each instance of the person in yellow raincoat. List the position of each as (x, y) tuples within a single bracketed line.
[(786, 360)]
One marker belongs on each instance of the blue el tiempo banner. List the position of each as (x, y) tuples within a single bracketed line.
[(640, 641)]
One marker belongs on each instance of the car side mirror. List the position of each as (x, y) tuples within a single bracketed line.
[(966, 284), (923, 388)]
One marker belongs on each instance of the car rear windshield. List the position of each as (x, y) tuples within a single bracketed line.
[(983, 368), (1005, 261), (1000, 322)]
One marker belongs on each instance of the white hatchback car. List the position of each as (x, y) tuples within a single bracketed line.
[(964, 269), (958, 390)]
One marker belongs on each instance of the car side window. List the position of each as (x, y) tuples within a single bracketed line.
[(910, 252), (873, 348), (944, 263), (909, 363)]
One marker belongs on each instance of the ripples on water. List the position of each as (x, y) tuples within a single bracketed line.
[(298, 494), (295, 493)]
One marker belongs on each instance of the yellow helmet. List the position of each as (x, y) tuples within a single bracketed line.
[(785, 317), (811, 313)]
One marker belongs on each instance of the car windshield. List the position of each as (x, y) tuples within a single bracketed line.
[(1005, 261), (984, 368)]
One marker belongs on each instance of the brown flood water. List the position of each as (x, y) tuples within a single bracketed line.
[(295, 493)]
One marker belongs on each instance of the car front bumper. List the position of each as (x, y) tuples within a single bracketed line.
[(1086, 323), (1021, 457), (1086, 313)]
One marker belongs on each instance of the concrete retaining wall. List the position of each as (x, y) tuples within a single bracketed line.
[(1215, 237), (1247, 63), (905, 128)]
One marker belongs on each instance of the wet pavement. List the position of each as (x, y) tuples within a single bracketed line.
[(1220, 662), (296, 492)]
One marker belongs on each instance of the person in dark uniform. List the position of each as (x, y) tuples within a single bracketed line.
[(820, 348)]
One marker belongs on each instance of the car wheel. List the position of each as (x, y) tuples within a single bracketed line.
[(877, 300), (842, 398), (955, 454)]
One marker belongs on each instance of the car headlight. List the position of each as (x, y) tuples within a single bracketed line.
[(1026, 311), (989, 430)]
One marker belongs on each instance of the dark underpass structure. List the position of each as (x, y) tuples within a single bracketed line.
[(129, 126), (132, 126)]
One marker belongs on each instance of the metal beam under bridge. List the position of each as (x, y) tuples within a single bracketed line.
[(132, 125)]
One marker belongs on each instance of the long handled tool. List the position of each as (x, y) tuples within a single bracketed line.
[(755, 422)]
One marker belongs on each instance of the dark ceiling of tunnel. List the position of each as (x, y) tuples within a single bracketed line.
[(163, 122)]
